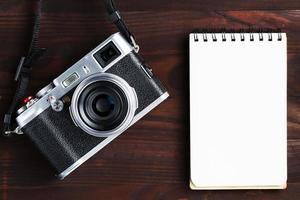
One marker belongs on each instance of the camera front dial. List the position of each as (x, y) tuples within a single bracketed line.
[(103, 105)]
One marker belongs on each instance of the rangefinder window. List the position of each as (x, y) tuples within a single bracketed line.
[(107, 54)]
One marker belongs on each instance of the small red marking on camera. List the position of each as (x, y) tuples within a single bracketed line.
[(26, 100)]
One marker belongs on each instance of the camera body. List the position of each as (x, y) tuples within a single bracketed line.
[(90, 104)]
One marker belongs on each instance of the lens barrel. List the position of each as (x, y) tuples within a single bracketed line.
[(103, 104)]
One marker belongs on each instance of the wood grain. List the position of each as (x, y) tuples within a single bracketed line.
[(149, 161)]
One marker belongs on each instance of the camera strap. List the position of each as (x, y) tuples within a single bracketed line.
[(116, 18), (22, 75)]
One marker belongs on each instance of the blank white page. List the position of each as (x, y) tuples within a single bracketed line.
[(238, 112)]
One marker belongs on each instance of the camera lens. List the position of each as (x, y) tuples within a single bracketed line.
[(103, 105)]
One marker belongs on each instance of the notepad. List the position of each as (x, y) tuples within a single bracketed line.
[(238, 111)]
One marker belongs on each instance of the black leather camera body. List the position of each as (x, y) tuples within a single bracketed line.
[(90, 104)]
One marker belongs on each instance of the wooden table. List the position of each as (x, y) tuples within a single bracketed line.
[(151, 160)]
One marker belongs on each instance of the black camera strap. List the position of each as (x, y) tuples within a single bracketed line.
[(117, 19), (22, 75)]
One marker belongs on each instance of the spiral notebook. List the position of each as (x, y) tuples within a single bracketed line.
[(238, 110)]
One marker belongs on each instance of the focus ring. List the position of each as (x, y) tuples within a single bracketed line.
[(115, 86)]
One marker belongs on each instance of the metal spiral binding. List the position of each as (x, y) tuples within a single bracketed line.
[(214, 37), (223, 37), (270, 38), (242, 36), (279, 37), (196, 37), (205, 37), (261, 37), (251, 37), (233, 36)]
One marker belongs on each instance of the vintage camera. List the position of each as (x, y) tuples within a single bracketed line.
[(90, 104)]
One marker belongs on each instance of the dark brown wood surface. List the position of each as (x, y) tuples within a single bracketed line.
[(151, 160)]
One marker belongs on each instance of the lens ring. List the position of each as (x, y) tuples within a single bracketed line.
[(89, 114), (123, 95)]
